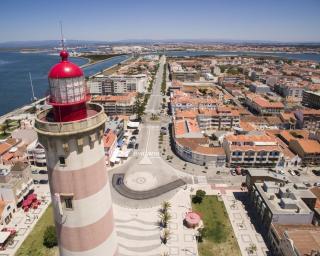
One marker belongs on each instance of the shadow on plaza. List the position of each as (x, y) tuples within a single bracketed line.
[(243, 197)]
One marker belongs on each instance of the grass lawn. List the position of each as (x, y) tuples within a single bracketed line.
[(220, 237), (33, 243)]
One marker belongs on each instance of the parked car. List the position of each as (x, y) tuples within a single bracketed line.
[(233, 173), (136, 146), (292, 173), (281, 172), (317, 184), (297, 172), (163, 130), (316, 172), (43, 181), (35, 181), (43, 172), (34, 172), (308, 184), (130, 145), (135, 132)]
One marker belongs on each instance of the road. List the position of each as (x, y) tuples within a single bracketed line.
[(154, 103)]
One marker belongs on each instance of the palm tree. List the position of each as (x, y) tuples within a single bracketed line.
[(165, 205), (165, 217), (165, 236)]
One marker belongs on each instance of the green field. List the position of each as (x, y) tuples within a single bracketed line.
[(33, 246), (220, 238)]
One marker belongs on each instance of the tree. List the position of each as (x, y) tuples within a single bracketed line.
[(203, 232), (166, 205), (165, 236), (165, 217), (197, 199), (139, 105), (50, 237)]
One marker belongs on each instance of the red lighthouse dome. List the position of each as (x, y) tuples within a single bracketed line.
[(68, 92), (65, 69)]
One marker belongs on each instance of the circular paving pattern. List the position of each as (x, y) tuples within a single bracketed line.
[(141, 181)]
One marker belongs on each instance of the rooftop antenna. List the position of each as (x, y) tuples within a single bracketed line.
[(32, 90), (61, 34)]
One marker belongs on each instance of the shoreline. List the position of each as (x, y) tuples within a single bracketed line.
[(26, 107)]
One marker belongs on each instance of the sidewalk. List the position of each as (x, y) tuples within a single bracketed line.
[(23, 222)]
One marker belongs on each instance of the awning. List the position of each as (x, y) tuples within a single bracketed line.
[(133, 124), (4, 235), (114, 157)]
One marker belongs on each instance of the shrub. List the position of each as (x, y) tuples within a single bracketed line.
[(50, 237)]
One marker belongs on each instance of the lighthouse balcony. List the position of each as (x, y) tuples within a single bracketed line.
[(45, 123)]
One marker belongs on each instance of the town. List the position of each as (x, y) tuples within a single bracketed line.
[(206, 155)]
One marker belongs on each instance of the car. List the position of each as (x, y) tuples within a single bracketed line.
[(136, 146), (218, 172), (43, 172), (307, 184), (130, 145), (281, 172), (292, 173), (34, 172), (133, 138), (43, 182), (316, 172), (135, 132), (35, 181), (317, 184), (297, 172), (233, 173)]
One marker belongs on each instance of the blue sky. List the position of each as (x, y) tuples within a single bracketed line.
[(280, 20)]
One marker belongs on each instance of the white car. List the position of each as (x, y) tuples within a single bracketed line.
[(281, 172), (317, 184), (292, 173)]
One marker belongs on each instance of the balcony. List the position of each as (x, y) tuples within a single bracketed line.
[(44, 126)]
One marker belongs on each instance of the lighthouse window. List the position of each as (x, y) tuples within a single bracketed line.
[(62, 161), (68, 203)]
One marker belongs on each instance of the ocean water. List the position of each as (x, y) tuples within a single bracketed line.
[(15, 89)]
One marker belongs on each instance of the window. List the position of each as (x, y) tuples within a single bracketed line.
[(68, 203), (62, 161)]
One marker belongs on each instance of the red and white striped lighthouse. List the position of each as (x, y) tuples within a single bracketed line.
[(71, 132)]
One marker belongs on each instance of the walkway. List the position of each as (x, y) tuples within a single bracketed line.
[(118, 184)]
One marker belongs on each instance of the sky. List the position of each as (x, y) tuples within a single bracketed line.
[(109, 20)]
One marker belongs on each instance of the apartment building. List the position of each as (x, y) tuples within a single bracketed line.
[(15, 182), (198, 151), (221, 118), (188, 101), (281, 203), (118, 84), (263, 106), (259, 88), (191, 146), (311, 99), (36, 154), (308, 150), (299, 240), (308, 119), (252, 150), (289, 89), (116, 104)]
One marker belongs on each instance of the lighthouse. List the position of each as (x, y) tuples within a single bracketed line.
[(71, 132)]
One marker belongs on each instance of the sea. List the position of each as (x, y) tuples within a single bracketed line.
[(15, 88)]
